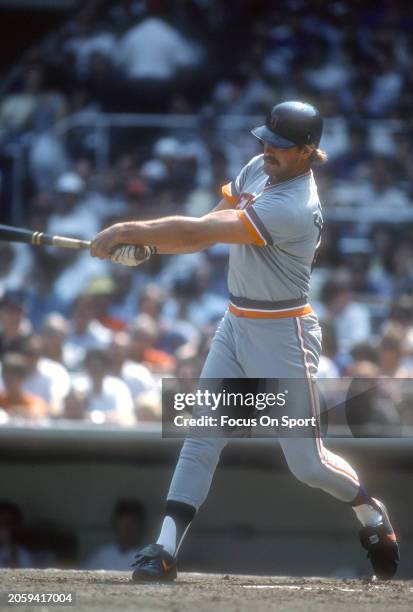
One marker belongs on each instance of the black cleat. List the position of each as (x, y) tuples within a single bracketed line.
[(381, 545), (153, 563)]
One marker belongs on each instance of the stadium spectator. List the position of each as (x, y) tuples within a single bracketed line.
[(391, 352), (192, 301), (109, 399), (45, 377), (54, 333), (351, 163), (75, 406), (33, 107), (69, 216), (86, 43), (379, 191), (15, 327), (12, 554), (144, 333), (127, 286), (351, 321), (151, 301), (148, 407), (371, 404), (128, 525), (43, 298), (151, 55), (137, 376), (15, 266), (13, 399), (48, 159), (85, 332)]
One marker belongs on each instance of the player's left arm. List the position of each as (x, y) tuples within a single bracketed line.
[(172, 234)]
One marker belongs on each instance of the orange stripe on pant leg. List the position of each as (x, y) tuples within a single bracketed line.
[(320, 448)]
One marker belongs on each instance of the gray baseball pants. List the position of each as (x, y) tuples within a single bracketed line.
[(266, 348)]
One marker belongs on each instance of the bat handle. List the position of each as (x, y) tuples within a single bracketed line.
[(39, 238), (70, 243)]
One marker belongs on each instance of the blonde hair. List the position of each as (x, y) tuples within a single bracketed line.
[(318, 156)]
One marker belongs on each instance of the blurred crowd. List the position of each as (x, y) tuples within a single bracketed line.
[(85, 339), (44, 544)]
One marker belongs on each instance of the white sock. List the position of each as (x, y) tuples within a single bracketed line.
[(167, 537), (368, 515)]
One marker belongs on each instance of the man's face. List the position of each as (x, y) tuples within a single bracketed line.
[(282, 164), (128, 530), (13, 380), (11, 318)]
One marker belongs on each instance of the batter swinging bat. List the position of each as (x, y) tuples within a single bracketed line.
[(17, 234)]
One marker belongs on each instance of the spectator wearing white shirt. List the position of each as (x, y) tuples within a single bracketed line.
[(54, 333), (15, 266), (392, 352), (350, 320), (71, 217), (85, 44), (153, 49), (137, 376), (128, 525), (109, 399), (46, 378), (85, 332), (153, 56)]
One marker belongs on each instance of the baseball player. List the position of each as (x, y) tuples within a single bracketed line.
[(271, 216)]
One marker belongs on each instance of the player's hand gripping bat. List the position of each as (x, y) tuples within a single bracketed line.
[(127, 255)]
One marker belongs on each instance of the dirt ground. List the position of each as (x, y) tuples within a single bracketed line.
[(113, 591)]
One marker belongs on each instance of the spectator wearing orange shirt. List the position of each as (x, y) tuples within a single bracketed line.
[(143, 336), (13, 399)]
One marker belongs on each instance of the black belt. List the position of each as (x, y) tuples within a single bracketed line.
[(242, 302)]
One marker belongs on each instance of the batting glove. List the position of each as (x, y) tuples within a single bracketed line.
[(132, 255)]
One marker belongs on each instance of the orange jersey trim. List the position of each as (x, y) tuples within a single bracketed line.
[(257, 238), (261, 314), (226, 192)]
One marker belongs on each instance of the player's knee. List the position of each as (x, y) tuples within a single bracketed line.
[(202, 450), (308, 473)]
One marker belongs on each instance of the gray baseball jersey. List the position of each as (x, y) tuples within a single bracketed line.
[(284, 218)]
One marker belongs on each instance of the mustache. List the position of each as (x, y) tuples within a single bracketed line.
[(271, 160)]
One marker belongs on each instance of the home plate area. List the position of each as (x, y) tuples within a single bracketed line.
[(112, 591)]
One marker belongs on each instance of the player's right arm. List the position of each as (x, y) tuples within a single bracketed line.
[(230, 193), (180, 235), (227, 226)]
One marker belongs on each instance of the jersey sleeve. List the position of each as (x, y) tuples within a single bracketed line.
[(271, 222), (232, 191)]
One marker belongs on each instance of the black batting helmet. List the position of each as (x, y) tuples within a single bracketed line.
[(290, 124)]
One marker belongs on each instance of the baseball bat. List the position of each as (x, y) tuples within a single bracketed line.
[(18, 234)]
